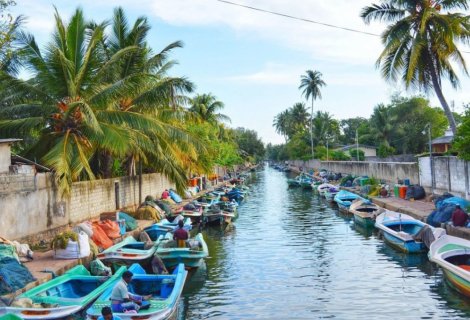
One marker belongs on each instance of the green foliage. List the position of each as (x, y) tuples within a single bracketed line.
[(339, 156), (349, 127), (385, 150), (354, 154), (321, 153), (276, 152), (298, 146), (61, 240), (461, 143), (249, 143)]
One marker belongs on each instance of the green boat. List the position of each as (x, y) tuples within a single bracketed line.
[(192, 255), (62, 296), (10, 316)]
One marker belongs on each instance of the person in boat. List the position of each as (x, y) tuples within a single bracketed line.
[(107, 314), (181, 235), (122, 300), (165, 194), (459, 217)]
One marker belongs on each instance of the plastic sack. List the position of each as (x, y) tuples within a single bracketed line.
[(23, 250), (131, 223), (75, 249), (111, 228), (85, 227), (100, 238), (97, 268)]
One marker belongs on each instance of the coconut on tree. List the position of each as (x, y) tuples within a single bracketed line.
[(421, 43)]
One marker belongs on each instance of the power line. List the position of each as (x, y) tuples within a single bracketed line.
[(303, 19), (297, 18)]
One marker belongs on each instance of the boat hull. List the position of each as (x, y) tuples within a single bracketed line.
[(404, 246), (364, 221)]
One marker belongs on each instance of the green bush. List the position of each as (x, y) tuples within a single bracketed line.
[(354, 152), (339, 156)]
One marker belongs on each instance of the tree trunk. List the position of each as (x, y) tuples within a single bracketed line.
[(311, 129), (437, 88), (442, 100)]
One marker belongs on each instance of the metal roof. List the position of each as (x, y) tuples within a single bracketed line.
[(353, 146), (442, 140), (9, 140)]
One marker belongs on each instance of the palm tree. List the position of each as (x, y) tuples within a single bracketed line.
[(282, 124), (311, 84), (421, 42), (74, 105), (299, 115), (205, 106), (383, 124)]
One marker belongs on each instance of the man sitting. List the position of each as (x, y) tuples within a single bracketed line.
[(181, 235), (122, 300)]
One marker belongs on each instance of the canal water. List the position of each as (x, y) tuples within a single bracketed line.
[(291, 255)]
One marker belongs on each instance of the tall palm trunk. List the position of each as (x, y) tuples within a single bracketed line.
[(311, 129), (437, 88)]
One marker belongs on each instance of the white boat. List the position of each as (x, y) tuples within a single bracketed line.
[(452, 254)]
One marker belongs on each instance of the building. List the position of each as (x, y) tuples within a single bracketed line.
[(444, 143), (369, 151)]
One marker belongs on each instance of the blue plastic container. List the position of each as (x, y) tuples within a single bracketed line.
[(406, 182)]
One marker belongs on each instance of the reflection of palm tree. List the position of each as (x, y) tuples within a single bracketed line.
[(311, 84), (420, 43), (205, 106)]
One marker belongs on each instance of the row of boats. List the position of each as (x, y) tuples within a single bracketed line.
[(409, 235), (79, 292)]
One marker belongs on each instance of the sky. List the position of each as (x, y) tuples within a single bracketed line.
[(253, 61)]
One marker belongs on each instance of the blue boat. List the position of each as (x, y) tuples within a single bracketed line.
[(402, 231), (175, 197), (164, 226), (192, 255), (165, 290), (344, 199)]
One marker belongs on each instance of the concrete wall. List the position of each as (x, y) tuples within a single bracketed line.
[(29, 211), (388, 171), (5, 160), (448, 174)]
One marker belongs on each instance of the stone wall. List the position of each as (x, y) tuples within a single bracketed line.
[(27, 212)]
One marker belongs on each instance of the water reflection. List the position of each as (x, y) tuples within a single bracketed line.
[(292, 255)]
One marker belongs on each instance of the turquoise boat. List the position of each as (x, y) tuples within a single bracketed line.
[(128, 251), (192, 256), (66, 295), (401, 231), (165, 290), (344, 199), (452, 254), (10, 316)]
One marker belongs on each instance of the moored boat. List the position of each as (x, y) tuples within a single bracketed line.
[(322, 188), (365, 212), (164, 226), (331, 193), (452, 254), (165, 290), (405, 233), (128, 251), (192, 255), (65, 295), (344, 199)]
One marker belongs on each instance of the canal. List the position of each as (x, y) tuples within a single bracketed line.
[(291, 255)]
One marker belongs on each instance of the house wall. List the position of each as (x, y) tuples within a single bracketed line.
[(5, 160)]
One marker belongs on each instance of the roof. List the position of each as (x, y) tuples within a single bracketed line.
[(443, 140), (353, 146), (9, 140), (15, 159)]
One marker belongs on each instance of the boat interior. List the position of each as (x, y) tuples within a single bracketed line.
[(461, 260), (73, 289), (405, 227), (137, 246), (158, 288)]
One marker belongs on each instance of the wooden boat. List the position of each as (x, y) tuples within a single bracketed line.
[(216, 217), (365, 212), (66, 295), (344, 199), (322, 188), (165, 290), (194, 215), (191, 256), (127, 251), (401, 231), (452, 254)]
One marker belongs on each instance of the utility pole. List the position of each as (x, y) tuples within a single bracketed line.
[(430, 158), (311, 129), (357, 147)]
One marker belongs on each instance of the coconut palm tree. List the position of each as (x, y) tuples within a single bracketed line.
[(74, 104), (311, 84), (205, 106), (421, 43), (299, 115)]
